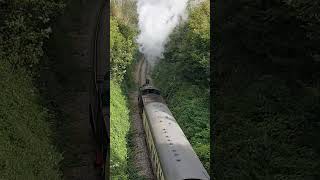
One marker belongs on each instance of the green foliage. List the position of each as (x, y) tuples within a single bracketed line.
[(267, 90), (122, 53), (191, 109), (119, 128), (26, 150), (307, 11), (122, 48), (188, 51), (183, 76), (279, 29), (125, 11), (267, 132), (190, 106), (24, 26)]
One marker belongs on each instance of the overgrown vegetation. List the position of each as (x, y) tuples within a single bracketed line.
[(267, 90), (25, 25), (183, 77), (27, 150), (122, 48), (122, 51), (119, 128)]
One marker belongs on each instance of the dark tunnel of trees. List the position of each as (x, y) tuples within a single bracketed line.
[(266, 89)]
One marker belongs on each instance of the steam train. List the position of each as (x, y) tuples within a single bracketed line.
[(171, 154)]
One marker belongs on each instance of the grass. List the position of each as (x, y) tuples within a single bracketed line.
[(26, 150)]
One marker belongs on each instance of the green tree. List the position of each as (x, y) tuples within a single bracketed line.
[(122, 48), (183, 77)]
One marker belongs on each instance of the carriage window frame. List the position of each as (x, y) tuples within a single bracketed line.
[(153, 91)]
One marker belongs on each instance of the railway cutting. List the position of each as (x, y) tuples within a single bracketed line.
[(141, 157)]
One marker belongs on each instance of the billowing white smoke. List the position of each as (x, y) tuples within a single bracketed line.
[(157, 19)]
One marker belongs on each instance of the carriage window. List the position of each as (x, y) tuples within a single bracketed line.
[(154, 91), (145, 92)]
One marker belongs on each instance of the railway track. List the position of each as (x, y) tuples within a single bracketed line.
[(142, 73), (141, 158)]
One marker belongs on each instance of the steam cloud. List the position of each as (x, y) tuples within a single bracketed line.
[(157, 19)]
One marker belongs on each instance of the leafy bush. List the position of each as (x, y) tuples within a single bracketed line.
[(267, 132), (125, 11), (122, 52), (122, 48), (24, 26), (267, 90), (26, 150), (188, 49), (190, 105), (119, 128), (183, 76)]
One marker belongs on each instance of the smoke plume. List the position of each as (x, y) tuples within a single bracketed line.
[(157, 19)]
